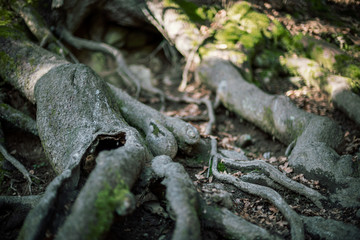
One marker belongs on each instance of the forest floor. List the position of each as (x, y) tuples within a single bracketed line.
[(151, 224)]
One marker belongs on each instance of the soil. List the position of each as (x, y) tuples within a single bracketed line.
[(144, 224)]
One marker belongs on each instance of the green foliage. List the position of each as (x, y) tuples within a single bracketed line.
[(107, 201)]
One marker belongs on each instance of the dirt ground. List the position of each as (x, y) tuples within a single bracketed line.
[(149, 224)]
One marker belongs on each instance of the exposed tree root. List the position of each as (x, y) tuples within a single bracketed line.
[(297, 227), (182, 197), (204, 101), (228, 224), (187, 206), (152, 122), (16, 201), (122, 68), (38, 27), (106, 190), (18, 119), (277, 176)]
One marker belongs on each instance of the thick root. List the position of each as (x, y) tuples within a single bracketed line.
[(228, 224), (122, 68), (185, 134), (107, 190), (182, 196)]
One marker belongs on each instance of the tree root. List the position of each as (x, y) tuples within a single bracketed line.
[(122, 68), (106, 190), (204, 101), (18, 118), (278, 177), (154, 123), (188, 207), (17, 201), (182, 197), (18, 165), (297, 227), (228, 224)]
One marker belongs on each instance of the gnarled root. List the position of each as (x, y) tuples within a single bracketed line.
[(122, 68), (188, 207), (18, 118), (228, 224), (106, 190), (297, 227), (182, 196), (159, 129)]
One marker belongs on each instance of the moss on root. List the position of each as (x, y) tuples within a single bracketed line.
[(108, 200)]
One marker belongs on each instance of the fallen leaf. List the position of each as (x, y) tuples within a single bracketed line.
[(273, 209)]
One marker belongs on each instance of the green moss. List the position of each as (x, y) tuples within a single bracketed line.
[(108, 200), (194, 13), (269, 120), (156, 130), (7, 62), (294, 128), (221, 167), (348, 67)]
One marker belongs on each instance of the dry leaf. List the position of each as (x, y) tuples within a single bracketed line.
[(273, 209)]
